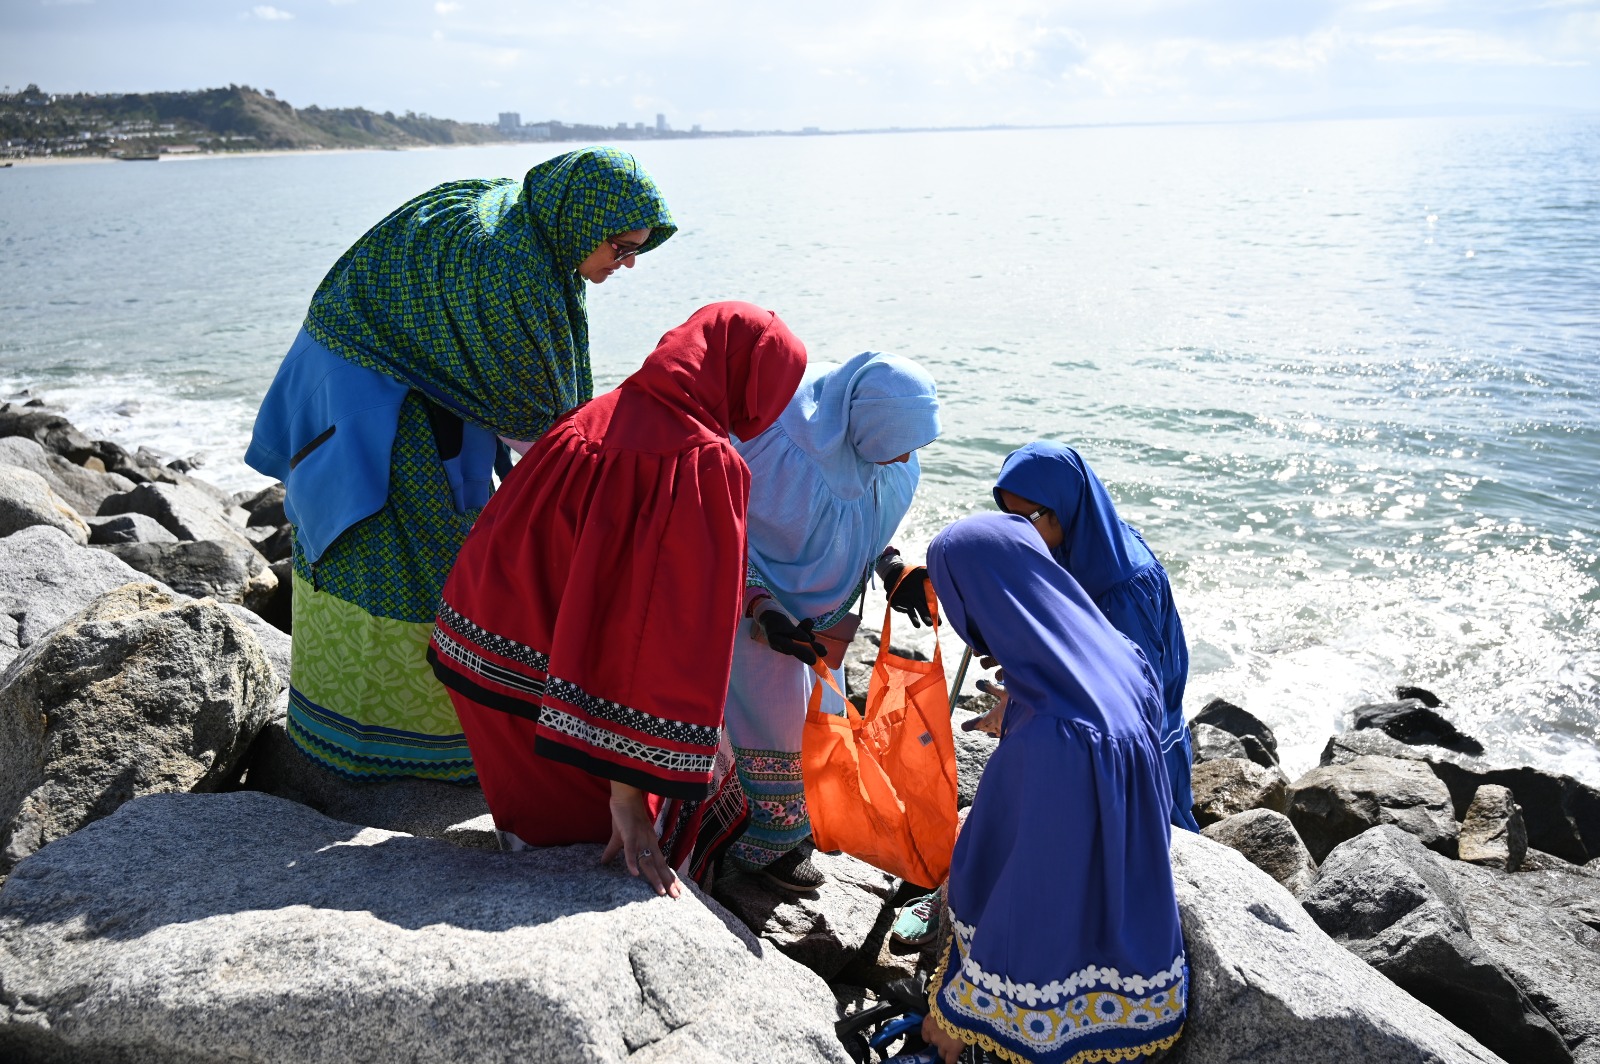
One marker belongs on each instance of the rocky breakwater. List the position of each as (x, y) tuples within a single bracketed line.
[(1474, 887), (185, 887)]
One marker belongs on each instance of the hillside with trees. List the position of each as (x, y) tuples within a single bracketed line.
[(236, 118)]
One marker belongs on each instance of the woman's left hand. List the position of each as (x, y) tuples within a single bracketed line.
[(633, 834), (993, 721), (949, 1047)]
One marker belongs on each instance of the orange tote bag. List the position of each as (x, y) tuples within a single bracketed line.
[(881, 786)]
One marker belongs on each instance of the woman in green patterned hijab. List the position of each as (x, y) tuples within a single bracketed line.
[(457, 319)]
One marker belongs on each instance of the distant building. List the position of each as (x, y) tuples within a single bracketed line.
[(638, 127), (622, 126), (510, 121), (811, 129), (661, 123), (696, 128)]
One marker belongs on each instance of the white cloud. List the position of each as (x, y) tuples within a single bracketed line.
[(1456, 47), (867, 63)]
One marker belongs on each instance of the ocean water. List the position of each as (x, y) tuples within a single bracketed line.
[(1345, 376)]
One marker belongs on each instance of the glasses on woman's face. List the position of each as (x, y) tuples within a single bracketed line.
[(1035, 517), (623, 251)]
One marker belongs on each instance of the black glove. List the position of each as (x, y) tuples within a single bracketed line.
[(905, 596), (910, 597), (786, 637)]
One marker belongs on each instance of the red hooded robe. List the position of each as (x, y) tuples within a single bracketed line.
[(586, 631)]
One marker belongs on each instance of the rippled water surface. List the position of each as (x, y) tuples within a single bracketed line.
[(1345, 376)]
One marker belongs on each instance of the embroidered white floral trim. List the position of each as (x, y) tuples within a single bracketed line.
[(1085, 979)]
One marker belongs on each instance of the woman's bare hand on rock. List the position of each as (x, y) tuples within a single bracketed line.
[(633, 834)]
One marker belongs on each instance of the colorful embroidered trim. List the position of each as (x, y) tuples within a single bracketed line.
[(368, 752), (776, 797), (1026, 1035), (498, 644), (602, 738), (669, 757)]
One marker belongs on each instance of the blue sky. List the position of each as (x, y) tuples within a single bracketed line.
[(831, 63)]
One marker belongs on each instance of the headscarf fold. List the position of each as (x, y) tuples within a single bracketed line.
[(821, 508), (1005, 596), (1100, 549), (470, 292)]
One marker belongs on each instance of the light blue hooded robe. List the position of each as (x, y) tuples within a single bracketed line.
[(821, 510)]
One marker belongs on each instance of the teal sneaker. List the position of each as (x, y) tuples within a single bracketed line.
[(918, 922)]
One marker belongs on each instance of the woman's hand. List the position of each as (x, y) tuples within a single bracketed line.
[(786, 637), (949, 1047), (910, 597), (993, 721), (633, 834)]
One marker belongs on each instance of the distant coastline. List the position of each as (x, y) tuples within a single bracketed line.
[(241, 121), (31, 161)]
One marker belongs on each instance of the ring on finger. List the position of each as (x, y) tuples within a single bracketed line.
[(645, 853)]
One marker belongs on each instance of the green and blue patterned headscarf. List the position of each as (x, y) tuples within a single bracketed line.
[(470, 292)]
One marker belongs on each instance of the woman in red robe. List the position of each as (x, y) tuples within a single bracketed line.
[(586, 631)]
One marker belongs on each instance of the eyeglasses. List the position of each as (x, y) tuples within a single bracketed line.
[(1040, 512), (624, 251)]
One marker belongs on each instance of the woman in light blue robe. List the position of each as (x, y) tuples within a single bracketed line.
[(829, 484), (1053, 486), (1063, 942)]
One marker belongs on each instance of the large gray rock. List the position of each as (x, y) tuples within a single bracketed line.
[(1539, 861), (1348, 746), (1268, 840), (241, 927), (430, 808), (1389, 901), (279, 546), (1261, 746), (127, 528), (1562, 814), (83, 489), (1228, 786), (185, 510), (822, 930), (140, 693), (1333, 803), (1492, 833), (45, 578), (1544, 928), (1210, 743), (26, 500), (1267, 985), (1411, 720), (1345, 747), (278, 645), (50, 430), (265, 507), (225, 571)]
